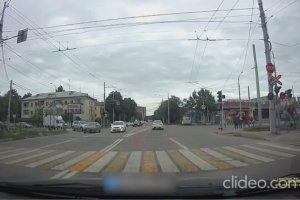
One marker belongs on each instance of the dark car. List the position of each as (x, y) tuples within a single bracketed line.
[(23, 125), (92, 127), (137, 123)]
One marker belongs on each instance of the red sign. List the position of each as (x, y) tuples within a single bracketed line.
[(282, 95), (270, 68)]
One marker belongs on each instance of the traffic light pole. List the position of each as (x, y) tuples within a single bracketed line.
[(268, 60), (104, 118)]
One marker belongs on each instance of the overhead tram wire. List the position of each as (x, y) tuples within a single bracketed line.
[(197, 42), (23, 87), (48, 41), (134, 17), (283, 8)]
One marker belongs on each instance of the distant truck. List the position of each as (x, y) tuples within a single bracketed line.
[(54, 122), (186, 120)]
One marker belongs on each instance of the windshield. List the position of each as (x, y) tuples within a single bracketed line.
[(118, 123), (185, 89)]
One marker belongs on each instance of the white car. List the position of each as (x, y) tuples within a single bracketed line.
[(118, 126), (157, 124)]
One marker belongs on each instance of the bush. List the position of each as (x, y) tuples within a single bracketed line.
[(24, 133), (257, 128)]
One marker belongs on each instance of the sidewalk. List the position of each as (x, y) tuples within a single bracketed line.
[(284, 137)]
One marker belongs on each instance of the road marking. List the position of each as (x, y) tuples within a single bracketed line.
[(165, 162), (73, 161), (17, 154), (279, 146), (118, 163), (58, 143), (250, 155), (78, 167), (223, 157), (269, 151), (131, 133), (101, 163), (134, 162), (237, 156), (149, 162), (182, 162), (196, 160), (29, 157), (52, 158), (5, 148), (178, 143), (86, 136), (60, 174), (10, 151)]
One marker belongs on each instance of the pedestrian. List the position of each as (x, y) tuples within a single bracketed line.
[(236, 123)]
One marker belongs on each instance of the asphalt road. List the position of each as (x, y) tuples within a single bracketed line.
[(184, 150)]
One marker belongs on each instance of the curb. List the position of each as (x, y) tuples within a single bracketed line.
[(239, 134)]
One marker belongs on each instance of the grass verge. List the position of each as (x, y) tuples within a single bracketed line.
[(18, 134)]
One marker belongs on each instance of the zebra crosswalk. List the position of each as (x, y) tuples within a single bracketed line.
[(69, 162)]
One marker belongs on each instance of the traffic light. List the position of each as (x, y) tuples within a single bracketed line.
[(277, 89), (289, 93), (219, 96)]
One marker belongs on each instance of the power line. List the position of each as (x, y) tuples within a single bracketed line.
[(139, 16), (283, 8)]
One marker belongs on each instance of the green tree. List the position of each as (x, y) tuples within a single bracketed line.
[(129, 109), (27, 95), (15, 105), (60, 89), (200, 98), (114, 101)]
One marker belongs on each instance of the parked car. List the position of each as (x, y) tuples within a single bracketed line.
[(129, 123), (118, 126), (23, 125), (137, 123), (78, 125), (92, 127), (157, 124)]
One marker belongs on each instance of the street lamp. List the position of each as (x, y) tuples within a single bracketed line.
[(240, 94)]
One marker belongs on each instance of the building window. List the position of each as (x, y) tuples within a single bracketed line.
[(66, 111), (47, 103), (25, 104), (31, 112), (95, 115), (26, 112), (71, 101), (31, 104), (35, 103), (66, 102)]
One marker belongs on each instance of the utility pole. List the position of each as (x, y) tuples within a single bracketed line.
[(104, 118), (249, 100), (240, 96), (257, 87), (268, 60), (9, 102), (114, 106), (168, 109)]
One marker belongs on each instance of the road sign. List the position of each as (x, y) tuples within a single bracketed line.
[(282, 95), (273, 80), (203, 107), (270, 68)]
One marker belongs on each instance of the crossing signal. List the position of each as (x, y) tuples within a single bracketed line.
[(289, 93), (219, 96), (277, 89)]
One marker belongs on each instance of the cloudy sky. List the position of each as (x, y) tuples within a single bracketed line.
[(143, 54)]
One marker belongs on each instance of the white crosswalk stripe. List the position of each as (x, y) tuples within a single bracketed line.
[(12, 150), (18, 154), (73, 161), (223, 157), (196, 160), (134, 162), (41, 162), (101, 163), (250, 155), (269, 151), (280, 146), (29, 157), (165, 162)]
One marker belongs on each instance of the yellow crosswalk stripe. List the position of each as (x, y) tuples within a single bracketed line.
[(149, 162), (117, 164), (59, 161), (181, 162), (212, 160), (87, 162)]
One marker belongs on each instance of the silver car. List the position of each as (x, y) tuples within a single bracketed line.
[(92, 127)]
